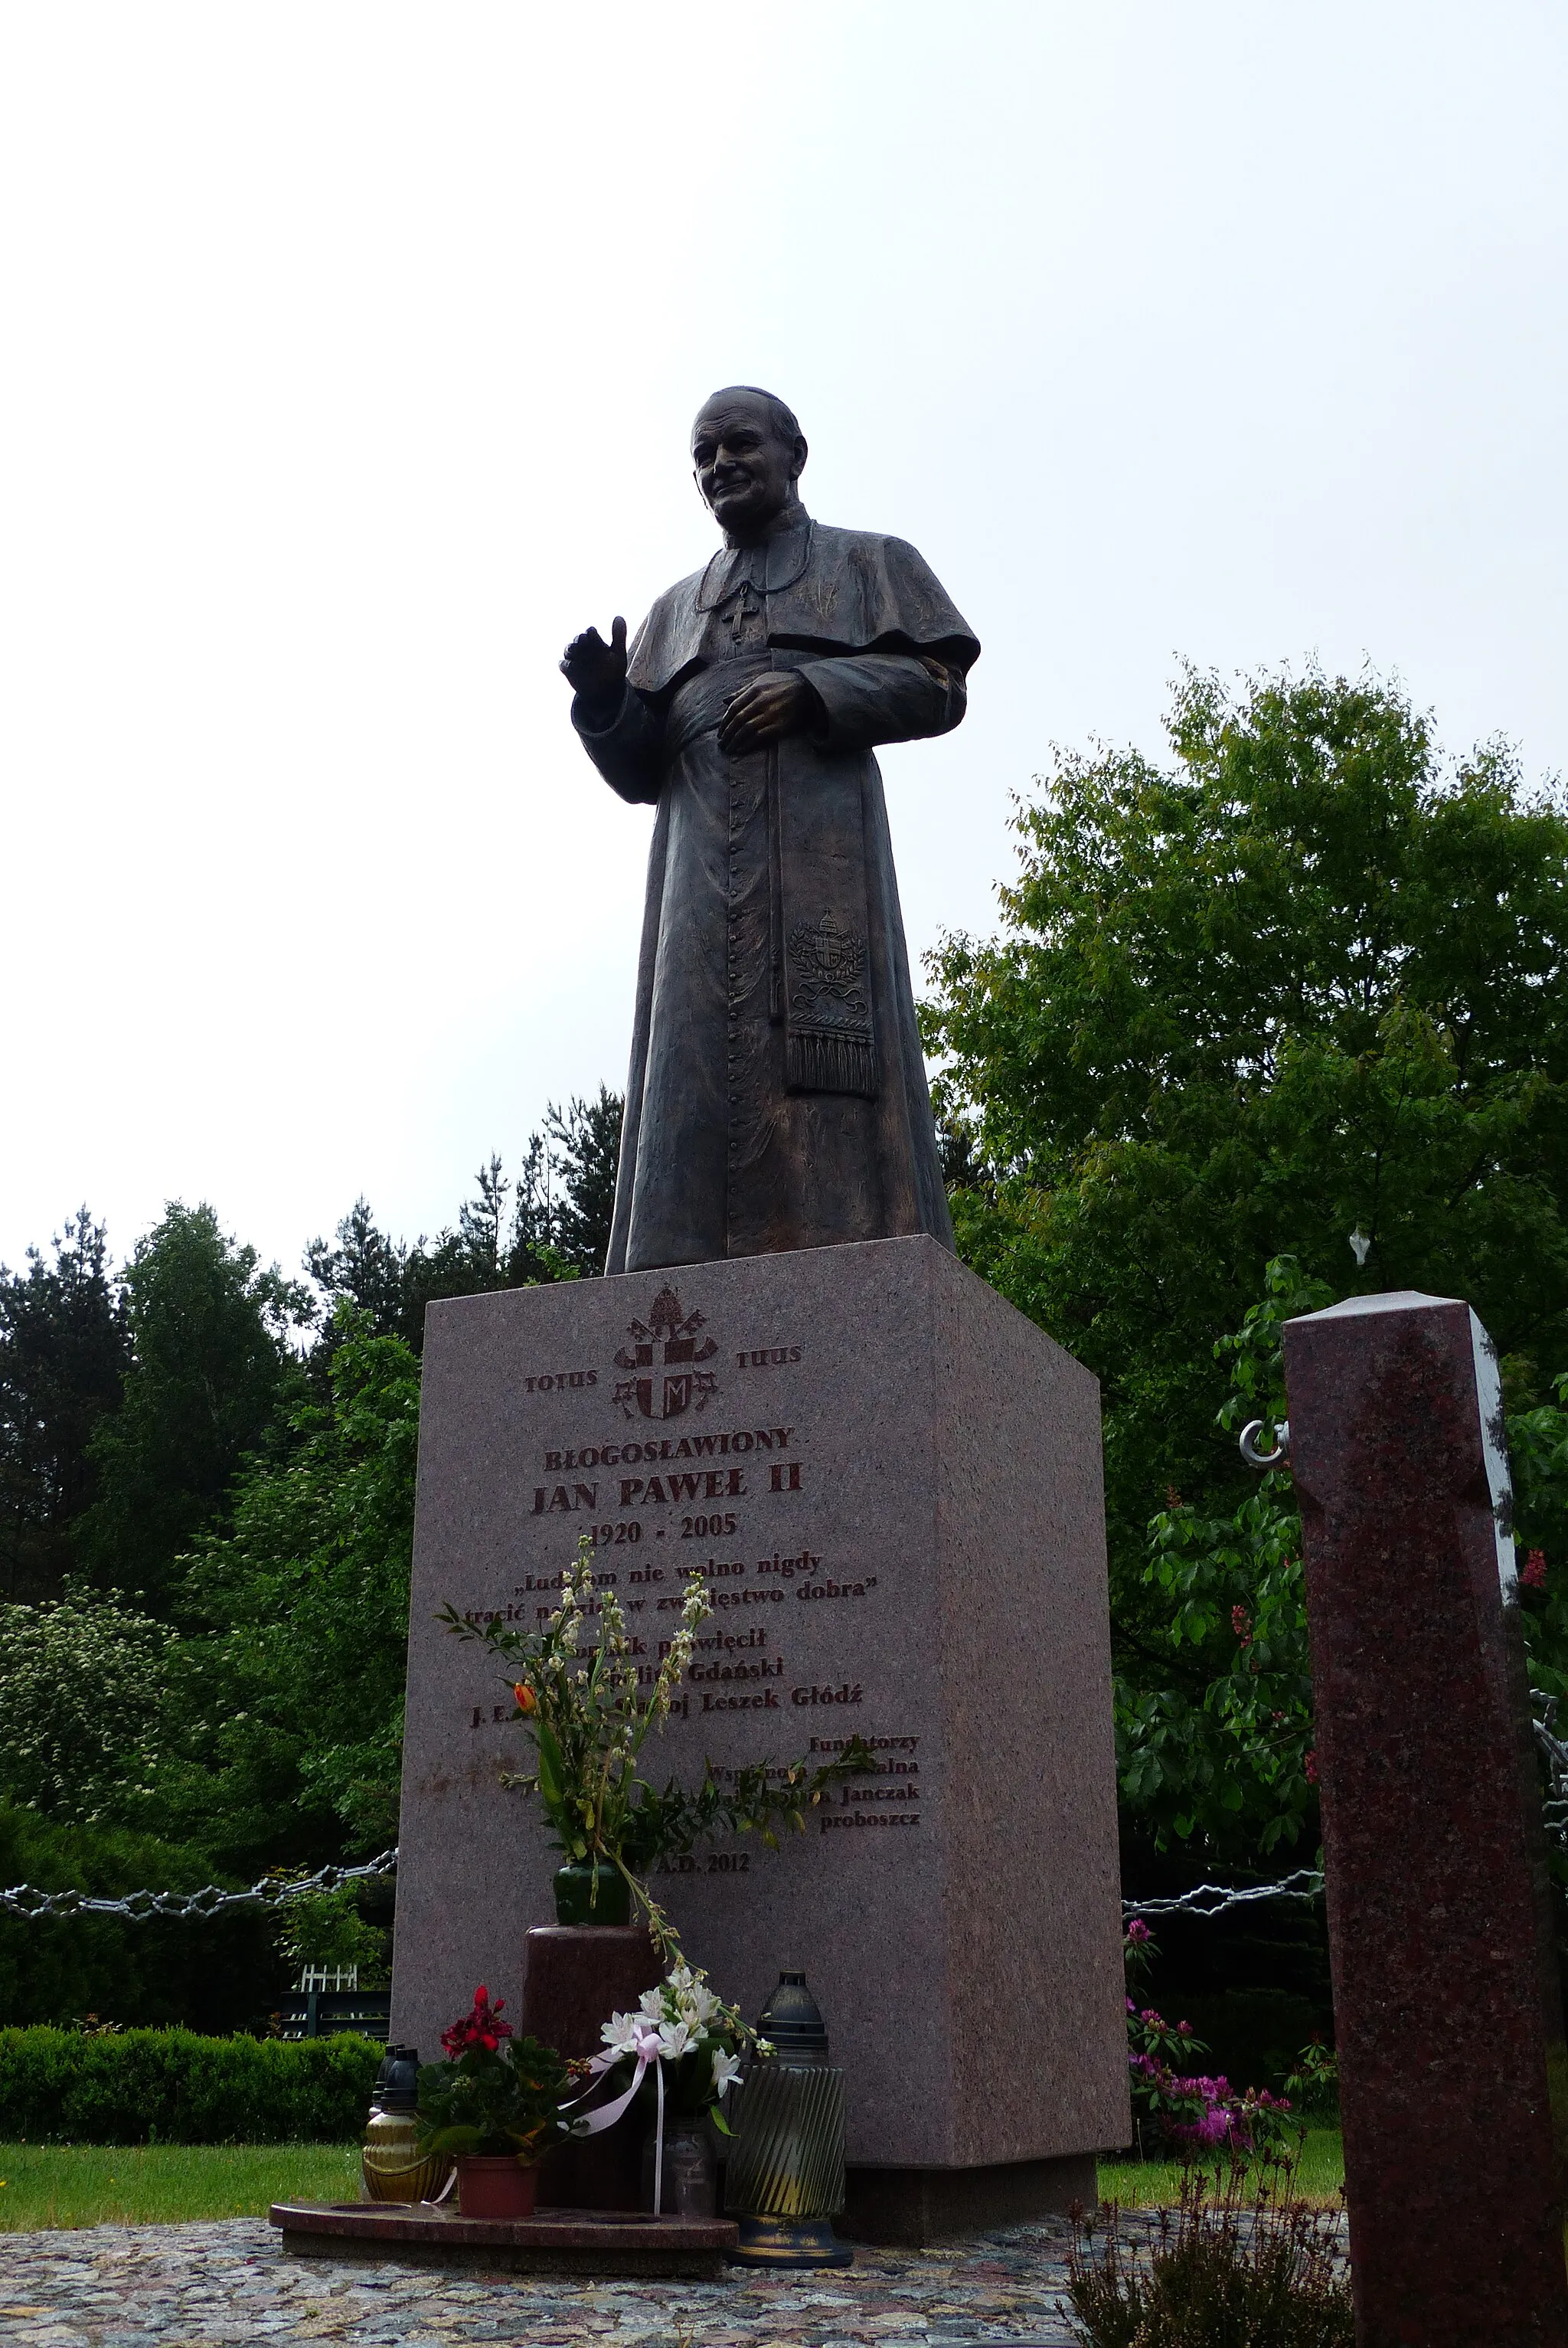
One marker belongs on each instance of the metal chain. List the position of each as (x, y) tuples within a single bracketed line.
[(1214, 1899), (1554, 1753), (21, 1900), (1204, 1899)]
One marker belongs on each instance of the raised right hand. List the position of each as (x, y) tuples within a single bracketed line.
[(596, 671)]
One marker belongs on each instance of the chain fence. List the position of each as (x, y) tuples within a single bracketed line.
[(1554, 1753), (1307, 1883), (23, 1899), (1204, 1899), (1214, 1899)]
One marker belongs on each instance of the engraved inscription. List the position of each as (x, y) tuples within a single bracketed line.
[(662, 1495)]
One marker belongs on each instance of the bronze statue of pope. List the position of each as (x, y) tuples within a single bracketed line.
[(777, 1094)]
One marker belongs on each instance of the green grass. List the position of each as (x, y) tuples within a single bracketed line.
[(161, 2184), (1149, 2184)]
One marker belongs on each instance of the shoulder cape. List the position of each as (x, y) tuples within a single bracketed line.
[(828, 590)]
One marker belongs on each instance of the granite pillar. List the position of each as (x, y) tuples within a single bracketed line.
[(890, 1482), (574, 1978), (1447, 2003)]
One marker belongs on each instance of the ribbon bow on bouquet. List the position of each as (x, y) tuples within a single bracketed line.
[(652, 2038), (634, 2034)]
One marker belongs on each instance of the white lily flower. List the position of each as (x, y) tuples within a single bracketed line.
[(680, 1977), (698, 2003), (651, 2004), (726, 2071), (621, 2032), (674, 2040)]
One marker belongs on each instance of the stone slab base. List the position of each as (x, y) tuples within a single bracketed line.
[(908, 2208), (558, 2241)]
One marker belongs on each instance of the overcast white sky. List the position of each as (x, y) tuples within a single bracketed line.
[(350, 354)]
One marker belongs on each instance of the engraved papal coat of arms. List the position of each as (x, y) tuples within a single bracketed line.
[(663, 1358)]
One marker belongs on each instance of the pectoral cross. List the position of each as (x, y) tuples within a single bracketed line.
[(744, 609)]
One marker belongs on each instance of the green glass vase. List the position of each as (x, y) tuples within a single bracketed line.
[(593, 1893)]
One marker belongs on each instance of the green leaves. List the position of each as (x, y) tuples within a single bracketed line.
[(494, 2102), (1225, 1755), (292, 1678), (210, 1365), (84, 1693), (65, 1347), (1302, 978), (749, 1799), (1232, 1766), (551, 1781), (584, 1708)]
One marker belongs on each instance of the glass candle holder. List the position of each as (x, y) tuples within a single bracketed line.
[(784, 2175)]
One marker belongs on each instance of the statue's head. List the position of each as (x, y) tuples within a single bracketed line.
[(747, 454)]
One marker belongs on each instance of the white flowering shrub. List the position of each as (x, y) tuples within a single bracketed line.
[(83, 1684)]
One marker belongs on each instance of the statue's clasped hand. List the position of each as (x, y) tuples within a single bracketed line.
[(764, 711)]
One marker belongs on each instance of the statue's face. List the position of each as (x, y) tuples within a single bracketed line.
[(744, 468)]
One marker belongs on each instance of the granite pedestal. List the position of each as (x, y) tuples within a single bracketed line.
[(1448, 2012), (890, 1482), (574, 1978)]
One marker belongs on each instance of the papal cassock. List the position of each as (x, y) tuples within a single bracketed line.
[(777, 1094)]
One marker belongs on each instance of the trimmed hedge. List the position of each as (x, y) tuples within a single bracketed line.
[(171, 2087)]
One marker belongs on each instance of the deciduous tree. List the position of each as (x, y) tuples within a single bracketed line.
[(293, 1670), (1300, 985)]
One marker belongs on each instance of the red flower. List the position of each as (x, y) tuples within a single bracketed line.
[(526, 1702), (1310, 1765), (1240, 1623), (482, 2027), (1534, 1574)]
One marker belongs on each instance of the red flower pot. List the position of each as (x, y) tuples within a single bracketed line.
[(488, 2187)]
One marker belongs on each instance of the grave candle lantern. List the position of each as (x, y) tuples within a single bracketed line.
[(393, 2166), (784, 2179)]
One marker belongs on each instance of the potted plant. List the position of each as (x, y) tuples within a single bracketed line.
[(495, 2105), (586, 1710)]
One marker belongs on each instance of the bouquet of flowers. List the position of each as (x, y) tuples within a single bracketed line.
[(496, 2093), (585, 1709), (695, 2038)]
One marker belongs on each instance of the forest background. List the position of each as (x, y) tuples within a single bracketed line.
[(1275, 1021)]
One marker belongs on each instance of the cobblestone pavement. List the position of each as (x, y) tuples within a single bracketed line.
[(166, 2286)]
